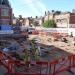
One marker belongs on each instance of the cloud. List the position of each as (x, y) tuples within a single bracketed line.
[(28, 7), (41, 6), (24, 14), (30, 4), (37, 7), (31, 1)]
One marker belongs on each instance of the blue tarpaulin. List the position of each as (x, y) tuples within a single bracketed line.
[(6, 27), (5, 49)]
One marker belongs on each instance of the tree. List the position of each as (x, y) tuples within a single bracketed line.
[(49, 24), (20, 17), (35, 51), (53, 11), (58, 12)]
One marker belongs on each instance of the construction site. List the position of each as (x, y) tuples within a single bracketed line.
[(38, 53)]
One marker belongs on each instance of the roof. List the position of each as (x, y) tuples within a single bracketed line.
[(5, 2)]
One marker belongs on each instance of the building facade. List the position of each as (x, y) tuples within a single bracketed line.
[(5, 13), (5, 17), (63, 19)]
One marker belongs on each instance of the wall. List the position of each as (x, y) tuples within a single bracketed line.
[(62, 20), (72, 25), (72, 18), (5, 16), (59, 30), (27, 22)]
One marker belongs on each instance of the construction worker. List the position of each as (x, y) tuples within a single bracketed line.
[(37, 55), (26, 55), (71, 34), (35, 51)]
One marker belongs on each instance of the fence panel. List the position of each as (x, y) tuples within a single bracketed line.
[(28, 68)]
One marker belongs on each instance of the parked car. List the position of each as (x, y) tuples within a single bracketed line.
[(30, 30)]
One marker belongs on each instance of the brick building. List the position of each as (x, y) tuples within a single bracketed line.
[(5, 13), (5, 17), (63, 19)]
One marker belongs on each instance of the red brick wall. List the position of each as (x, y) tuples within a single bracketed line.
[(72, 19)]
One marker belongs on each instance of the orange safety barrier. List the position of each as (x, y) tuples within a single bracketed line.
[(55, 34), (54, 67), (4, 58), (35, 32), (17, 67), (62, 64), (28, 68)]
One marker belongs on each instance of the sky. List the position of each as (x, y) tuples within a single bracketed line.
[(28, 8)]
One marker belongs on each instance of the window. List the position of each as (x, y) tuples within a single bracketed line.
[(4, 12), (58, 20)]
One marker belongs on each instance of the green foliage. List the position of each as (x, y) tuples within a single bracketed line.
[(35, 50), (49, 24)]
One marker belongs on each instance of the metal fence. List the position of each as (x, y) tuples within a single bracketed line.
[(17, 67)]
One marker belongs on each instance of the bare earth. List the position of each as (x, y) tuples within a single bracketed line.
[(56, 50)]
